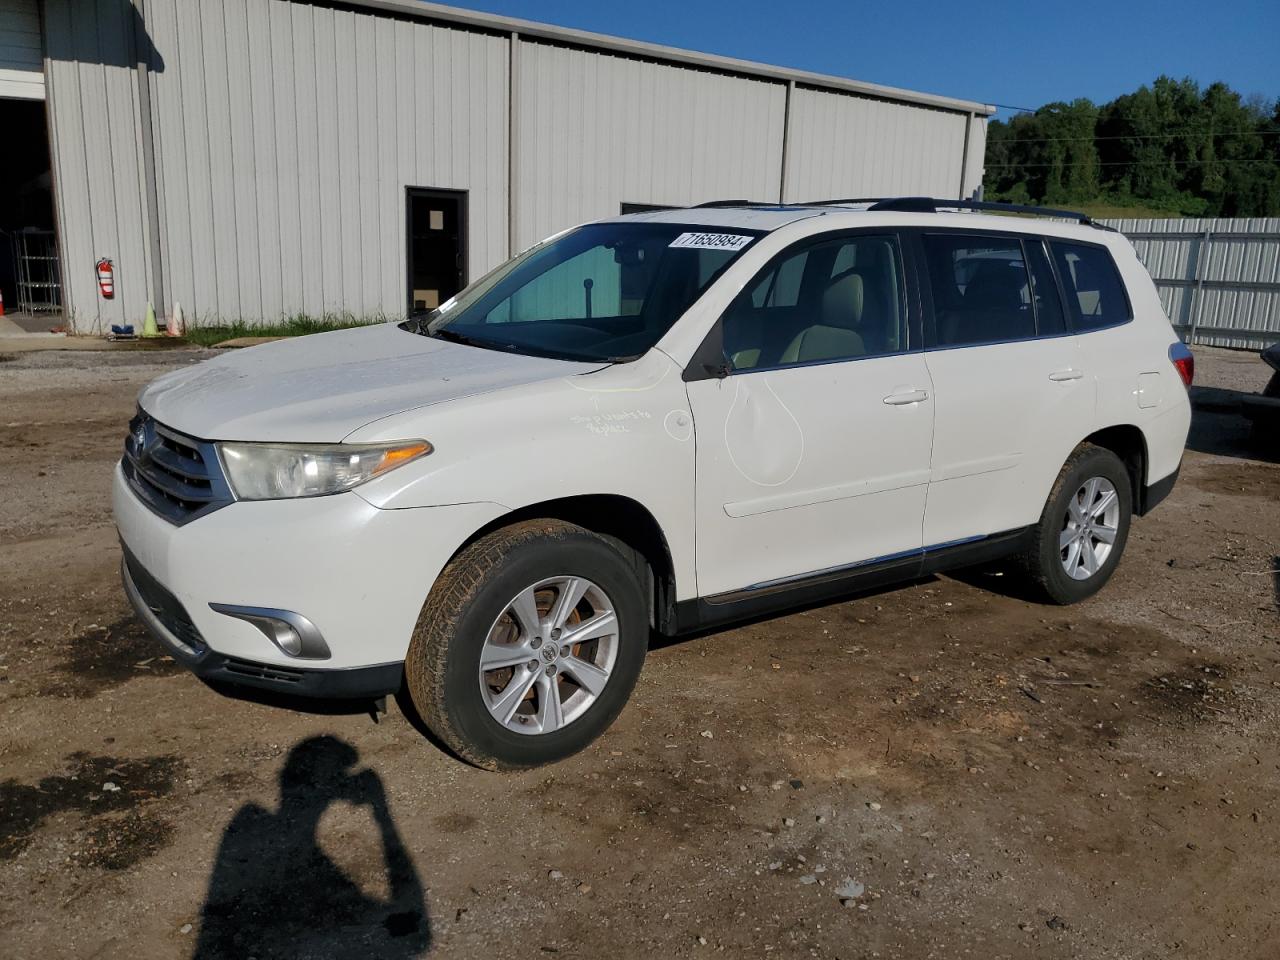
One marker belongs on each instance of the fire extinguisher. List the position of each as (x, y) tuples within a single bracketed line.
[(106, 279)]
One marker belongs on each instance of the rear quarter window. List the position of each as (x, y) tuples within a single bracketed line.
[(1095, 293)]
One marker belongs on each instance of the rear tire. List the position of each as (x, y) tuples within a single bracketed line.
[(1083, 529), (486, 669)]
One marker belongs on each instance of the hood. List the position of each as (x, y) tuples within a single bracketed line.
[(319, 388)]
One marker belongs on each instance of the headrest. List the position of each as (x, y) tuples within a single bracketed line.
[(842, 302), (995, 286)]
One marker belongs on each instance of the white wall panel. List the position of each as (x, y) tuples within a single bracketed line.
[(340, 163), (593, 130), (266, 120), (286, 135), (97, 158), (977, 155), (844, 145)]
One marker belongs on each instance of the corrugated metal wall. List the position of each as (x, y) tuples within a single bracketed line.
[(594, 130), (848, 146), (1219, 279), (285, 134), (21, 62), (976, 163), (97, 157)]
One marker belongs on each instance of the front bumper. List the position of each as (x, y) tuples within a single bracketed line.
[(167, 622), (358, 573)]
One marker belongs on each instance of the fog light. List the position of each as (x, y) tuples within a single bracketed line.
[(286, 638), (292, 633)]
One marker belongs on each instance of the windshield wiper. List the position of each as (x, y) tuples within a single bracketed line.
[(523, 349), (453, 336)]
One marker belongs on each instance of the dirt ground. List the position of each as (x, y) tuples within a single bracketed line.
[(941, 770)]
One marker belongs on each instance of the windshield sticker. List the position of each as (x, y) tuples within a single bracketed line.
[(711, 241)]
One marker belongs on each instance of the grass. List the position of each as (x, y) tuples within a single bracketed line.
[(1111, 211), (300, 325)]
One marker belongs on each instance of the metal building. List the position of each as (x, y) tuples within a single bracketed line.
[(255, 159)]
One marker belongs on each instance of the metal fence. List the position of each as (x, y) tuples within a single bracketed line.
[(1219, 279)]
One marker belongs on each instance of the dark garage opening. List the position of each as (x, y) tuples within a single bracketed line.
[(29, 270), (437, 246)]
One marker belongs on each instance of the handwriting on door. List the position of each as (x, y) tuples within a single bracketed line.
[(604, 424)]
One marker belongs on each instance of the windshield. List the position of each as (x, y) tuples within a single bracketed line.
[(604, 292)]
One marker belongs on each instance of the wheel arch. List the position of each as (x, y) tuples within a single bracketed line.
[(1129, 443), (624, 520)]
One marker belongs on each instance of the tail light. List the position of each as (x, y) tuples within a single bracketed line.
[(1184, 361)]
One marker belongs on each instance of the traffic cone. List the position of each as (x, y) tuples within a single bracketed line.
[(177, 325), (149, 328)]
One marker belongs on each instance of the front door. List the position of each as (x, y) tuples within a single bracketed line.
[(813, 449)]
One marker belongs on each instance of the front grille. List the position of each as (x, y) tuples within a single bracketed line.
[(167, 608), (177, 476)]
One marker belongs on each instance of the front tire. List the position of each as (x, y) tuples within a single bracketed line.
[(1083, 529), (529, 644)]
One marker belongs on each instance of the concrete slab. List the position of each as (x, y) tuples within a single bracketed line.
[(14, 323), (9, 327), (28, 342)]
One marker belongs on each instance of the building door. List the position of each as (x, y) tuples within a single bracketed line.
[(30, 277), (437, 246)]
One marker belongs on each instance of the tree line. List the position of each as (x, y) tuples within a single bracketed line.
[(1170, 147)]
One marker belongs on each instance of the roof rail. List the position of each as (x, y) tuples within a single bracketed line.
[(732, 203), (933, 205), (833, 203)]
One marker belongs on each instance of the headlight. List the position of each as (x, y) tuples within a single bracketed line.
[(276, 471)]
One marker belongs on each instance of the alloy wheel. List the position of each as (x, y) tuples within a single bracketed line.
[(548, 655), (1089, 528)]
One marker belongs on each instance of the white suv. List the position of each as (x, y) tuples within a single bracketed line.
[(659, 422)]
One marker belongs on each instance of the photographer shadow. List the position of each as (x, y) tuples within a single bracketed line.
[(275, 893)]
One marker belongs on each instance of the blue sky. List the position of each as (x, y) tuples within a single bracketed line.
[(1019, 53)]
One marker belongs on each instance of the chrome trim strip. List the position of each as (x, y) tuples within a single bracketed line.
[(268, 619), (176, 491)]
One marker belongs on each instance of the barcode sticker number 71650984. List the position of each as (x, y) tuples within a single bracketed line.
[(711, 241)]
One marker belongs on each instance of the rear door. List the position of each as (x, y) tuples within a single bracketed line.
[(813, 447), (1012, 397)]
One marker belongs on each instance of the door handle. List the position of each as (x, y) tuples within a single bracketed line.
[(1062, 376), (902, 399)]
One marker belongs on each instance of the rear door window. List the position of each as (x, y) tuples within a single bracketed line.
[(1094, 291), (981, 289)]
